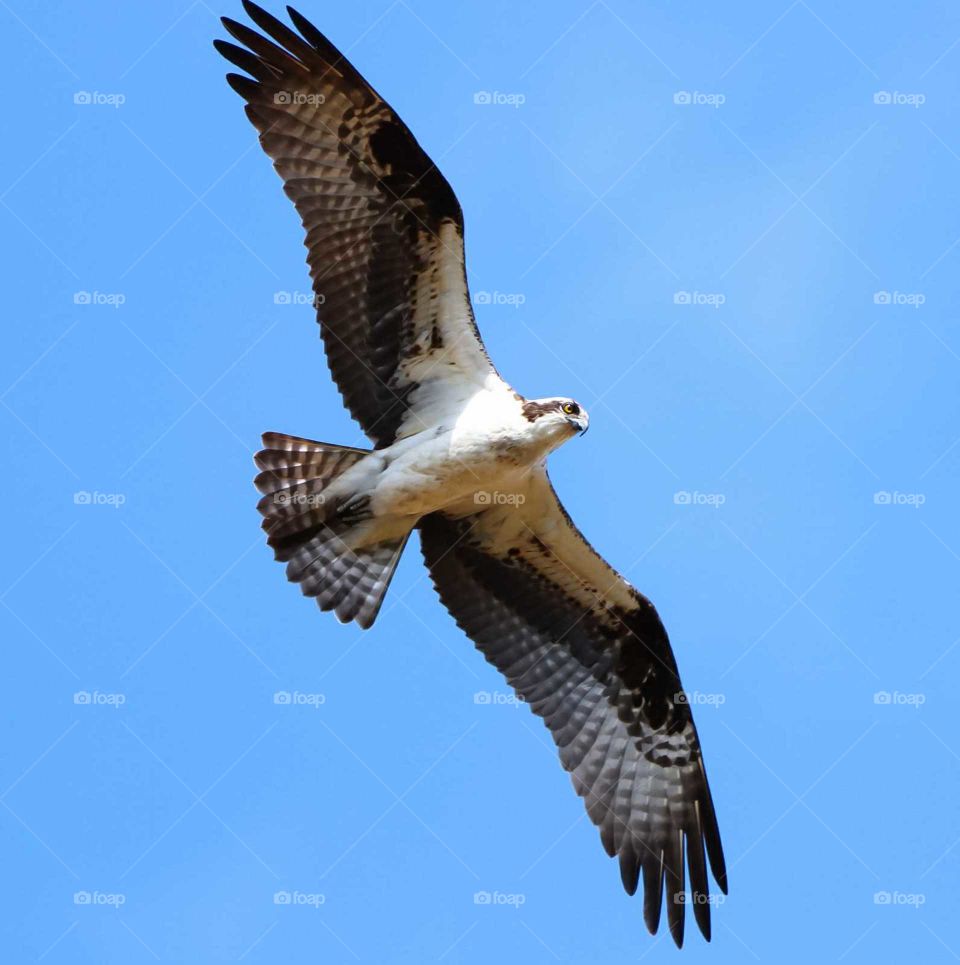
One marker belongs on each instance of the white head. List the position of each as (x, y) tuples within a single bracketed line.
[(557, 419)]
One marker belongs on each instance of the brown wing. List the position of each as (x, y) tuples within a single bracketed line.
[(591, 657), (384, 230)]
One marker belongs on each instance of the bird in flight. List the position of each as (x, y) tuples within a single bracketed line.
[(461, 457)]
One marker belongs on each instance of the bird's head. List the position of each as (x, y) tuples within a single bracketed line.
[(559, 418)]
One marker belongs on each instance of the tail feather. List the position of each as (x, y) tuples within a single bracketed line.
[(324, 549), (352, 583), (285, 452), (296, 473), (290, 462)]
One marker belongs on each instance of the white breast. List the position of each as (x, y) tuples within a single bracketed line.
[(481, 447)]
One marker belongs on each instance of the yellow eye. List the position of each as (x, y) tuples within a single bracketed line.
[(569, 408)]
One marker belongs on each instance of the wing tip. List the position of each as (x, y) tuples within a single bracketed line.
[(246, 87), (254, 10), (629, 869), (230, 25)]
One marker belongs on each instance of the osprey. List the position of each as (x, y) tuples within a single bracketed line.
[(460, 456)]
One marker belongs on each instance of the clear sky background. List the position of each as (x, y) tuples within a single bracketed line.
[(754, 293)]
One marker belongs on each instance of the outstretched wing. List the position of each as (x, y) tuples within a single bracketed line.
[(591, 657), (384, 230)]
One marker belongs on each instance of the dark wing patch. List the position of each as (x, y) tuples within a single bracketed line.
[(384, 230), (603, 678)]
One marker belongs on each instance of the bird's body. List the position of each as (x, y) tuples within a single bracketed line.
[(479, 457), (489, 448), (460, 456)]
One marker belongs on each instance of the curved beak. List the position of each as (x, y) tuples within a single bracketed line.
[(579, 422)]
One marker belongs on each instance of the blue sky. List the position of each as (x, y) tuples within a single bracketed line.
[(731, 233)]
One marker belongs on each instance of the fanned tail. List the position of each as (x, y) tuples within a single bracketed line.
[(321, 538)]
